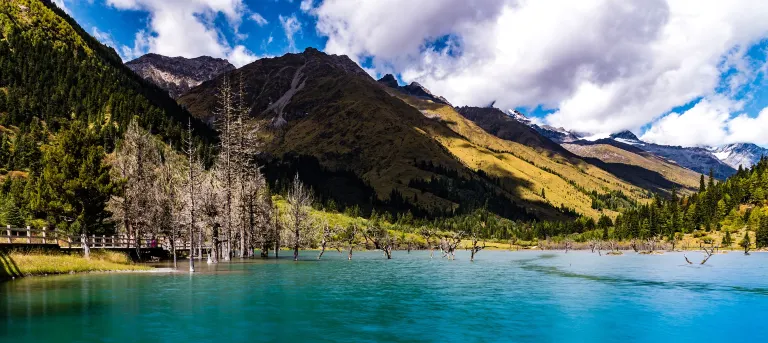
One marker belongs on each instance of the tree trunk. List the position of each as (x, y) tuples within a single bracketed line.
[(86, 248), (173, 249)]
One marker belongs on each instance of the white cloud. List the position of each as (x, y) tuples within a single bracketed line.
[(291, 25), (61, 4), (605, 65), (140, 45), (306, 5), (259, 19), (709, 122), (186, 27)]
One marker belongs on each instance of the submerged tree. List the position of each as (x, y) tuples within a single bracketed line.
[(299, 202)]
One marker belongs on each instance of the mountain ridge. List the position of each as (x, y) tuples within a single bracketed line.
[(177, 75)]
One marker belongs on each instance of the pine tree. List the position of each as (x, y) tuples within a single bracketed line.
[(76, 183), (761, 234), (727, 241)]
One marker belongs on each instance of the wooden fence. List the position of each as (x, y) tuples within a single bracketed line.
[(30, 235)]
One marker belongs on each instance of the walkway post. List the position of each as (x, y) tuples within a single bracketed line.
[(44, 242), (8, 231), (29, 236)]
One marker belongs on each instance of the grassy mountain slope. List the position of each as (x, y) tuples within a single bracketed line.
[(565, 179), (666, 174), (328, 108)]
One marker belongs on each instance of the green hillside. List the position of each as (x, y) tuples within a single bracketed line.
[(65, 101), (736, 208)]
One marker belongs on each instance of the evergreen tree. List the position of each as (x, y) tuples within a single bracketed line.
[(75, 183), (761, 234), (727, 240)]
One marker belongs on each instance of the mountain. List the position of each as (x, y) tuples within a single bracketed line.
[(630, 164), (512, 128), (414, 89), (698, 159), (741, 154), (177, 75), (66, 101), (626, 136), (53, 72), (657, 173), (372, 142)]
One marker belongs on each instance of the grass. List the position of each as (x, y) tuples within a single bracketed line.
[(17, 263)]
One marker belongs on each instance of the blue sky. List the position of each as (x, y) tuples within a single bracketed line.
[(674, 72), (122, 25)]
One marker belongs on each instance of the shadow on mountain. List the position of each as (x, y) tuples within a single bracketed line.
[(638, 176)]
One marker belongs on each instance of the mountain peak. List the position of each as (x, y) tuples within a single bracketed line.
[(177, 75), (626, 134), (389, 81)]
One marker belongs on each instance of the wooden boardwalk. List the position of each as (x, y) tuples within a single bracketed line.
[(30, 236)]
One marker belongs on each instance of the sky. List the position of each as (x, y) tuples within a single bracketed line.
[(679, 72)]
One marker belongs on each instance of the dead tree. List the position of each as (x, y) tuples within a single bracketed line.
[(428, 233), (593, 245), (351, 234), (687, 260), (448, 245), (380, 238), (651, 244), (709, 253), (193, 171), (475, 248), (136, 160), (299, 202), (326, 236), (209, 208), (568, 245), (633, 244)]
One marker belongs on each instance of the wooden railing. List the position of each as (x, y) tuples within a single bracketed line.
[(29, 235)]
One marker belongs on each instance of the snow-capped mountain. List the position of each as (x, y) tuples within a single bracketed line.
[(556, 134), (698, 159), (739, 154)]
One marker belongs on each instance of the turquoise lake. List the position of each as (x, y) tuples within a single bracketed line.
[(502, 296)]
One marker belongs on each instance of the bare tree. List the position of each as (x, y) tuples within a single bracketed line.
[(209, 207), (568, 244), (167, 207), (136, 160), (350, 235), (449, 244), (299, 202), (708, 252), (475, 232), (326, 236), (225, 115), (428, 233), (380, 237), (193, 170)]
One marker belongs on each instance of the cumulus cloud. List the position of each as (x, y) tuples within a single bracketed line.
[(602, 65), (259, 19), (126, 53), (186, 27), (291, 25), (710, 122), (306, 5)]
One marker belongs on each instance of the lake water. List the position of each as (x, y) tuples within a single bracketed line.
[(502, 296)]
